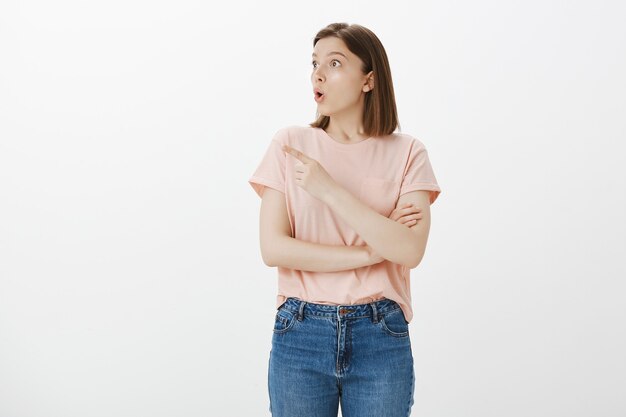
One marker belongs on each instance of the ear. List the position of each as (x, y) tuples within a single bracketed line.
[(369, 86)]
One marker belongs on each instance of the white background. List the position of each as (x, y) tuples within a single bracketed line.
[(131, 281)]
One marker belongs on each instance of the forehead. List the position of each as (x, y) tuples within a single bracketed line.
[(331, 44)]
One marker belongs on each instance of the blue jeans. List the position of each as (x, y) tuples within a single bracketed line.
[(357, 355)]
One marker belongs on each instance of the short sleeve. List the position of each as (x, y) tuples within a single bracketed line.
[(271, 171), (419, 174)]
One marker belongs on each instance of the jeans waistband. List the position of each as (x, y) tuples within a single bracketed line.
[(374, 309)]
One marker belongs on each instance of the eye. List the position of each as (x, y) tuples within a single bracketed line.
[(334, 60)]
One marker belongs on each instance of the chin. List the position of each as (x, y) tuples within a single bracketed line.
[(326, 110)]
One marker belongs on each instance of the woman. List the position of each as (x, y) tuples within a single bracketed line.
[(345, 215)]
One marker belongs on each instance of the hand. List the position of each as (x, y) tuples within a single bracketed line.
[(374, 257), (407, 215), (311, 175)]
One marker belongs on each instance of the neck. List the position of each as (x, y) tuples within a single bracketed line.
[(347, 126)]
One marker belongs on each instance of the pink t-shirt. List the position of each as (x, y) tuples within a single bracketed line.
[(376, 171)]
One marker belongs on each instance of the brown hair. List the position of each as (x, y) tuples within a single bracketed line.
[(380, 116)]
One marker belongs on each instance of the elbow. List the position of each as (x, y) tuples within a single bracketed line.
[(271, 250), (414, 263), (418, 248), (416, 259), (417, 245), (411, 264), (408, 256), (267, 262), (267, 257)]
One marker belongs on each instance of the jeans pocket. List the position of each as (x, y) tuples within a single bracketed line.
[(284, 320), (394, 323)]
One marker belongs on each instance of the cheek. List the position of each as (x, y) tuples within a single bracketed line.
[(347, 89)]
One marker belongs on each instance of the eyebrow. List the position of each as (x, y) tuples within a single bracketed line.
[(332, 53)]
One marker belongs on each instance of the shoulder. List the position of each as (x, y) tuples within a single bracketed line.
[(291, 132), (406, 142)]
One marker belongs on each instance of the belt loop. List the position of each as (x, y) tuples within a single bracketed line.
[(301, 311), (374, 313)]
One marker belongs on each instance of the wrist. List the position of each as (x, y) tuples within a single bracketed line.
[(332, 195), (372, 257)]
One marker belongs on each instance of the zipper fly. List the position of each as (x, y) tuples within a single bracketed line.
[(338, 338)]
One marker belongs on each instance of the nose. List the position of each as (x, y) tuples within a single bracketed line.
[(317, 74)]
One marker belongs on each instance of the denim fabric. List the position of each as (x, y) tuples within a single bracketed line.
[(357, 356)]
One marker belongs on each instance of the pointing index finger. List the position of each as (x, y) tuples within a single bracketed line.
[(296, 153)]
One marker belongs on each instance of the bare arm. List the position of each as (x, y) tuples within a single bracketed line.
[(390, 239), (293, 253), (279, 248)]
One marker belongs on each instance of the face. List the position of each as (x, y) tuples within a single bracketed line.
[(337, 73)]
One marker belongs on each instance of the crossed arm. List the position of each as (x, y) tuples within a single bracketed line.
[(393, 241)]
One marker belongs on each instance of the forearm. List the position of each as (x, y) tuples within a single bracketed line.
[(390, 239), (298, 254)]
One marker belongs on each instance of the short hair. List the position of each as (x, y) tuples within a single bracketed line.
[(380, 115)]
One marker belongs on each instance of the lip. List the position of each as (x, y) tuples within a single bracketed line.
[(316, 98)]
